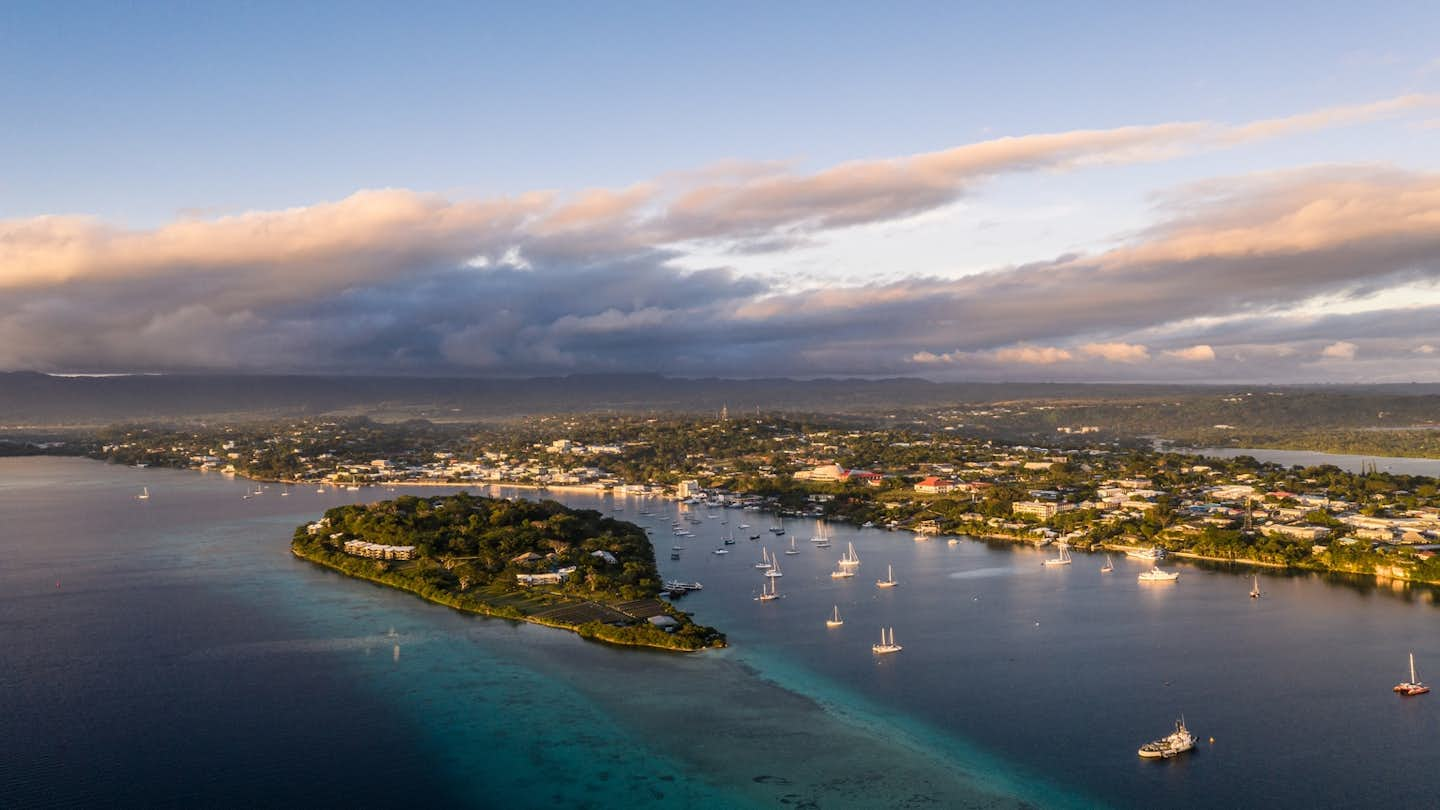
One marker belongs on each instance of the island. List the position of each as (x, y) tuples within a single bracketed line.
[(533, 561)]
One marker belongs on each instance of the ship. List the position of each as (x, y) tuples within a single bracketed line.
[(1171, 745), (1155, 574)]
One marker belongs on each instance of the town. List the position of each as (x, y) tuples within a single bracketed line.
[(915, 478)]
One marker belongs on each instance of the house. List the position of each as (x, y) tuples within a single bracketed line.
[(1044, 510), (934, 485), (604, 555)]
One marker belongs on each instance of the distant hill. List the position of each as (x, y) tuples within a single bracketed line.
[(33, 399)]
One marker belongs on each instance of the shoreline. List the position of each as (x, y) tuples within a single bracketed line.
[(482, 609)]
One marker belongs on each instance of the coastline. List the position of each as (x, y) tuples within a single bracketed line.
[(478, 608)]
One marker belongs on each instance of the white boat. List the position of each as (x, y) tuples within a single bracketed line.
[(886, 645), (320, 490), (1063, 559), (1255, 589), (1108, 566), (144, 494), (889, 580), (1155, 574), (765, 561), (771, 594), (1412, 686), (869, 524), (1152, 553), (792, 549), (774, 568), (721, 551), (954, 541), (842, 573), (1174, 744), (849, 559), (835, 620), (820, 534)]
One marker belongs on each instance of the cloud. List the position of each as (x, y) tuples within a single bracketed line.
[(1425, 348), (1197, 353), (1117, 352), (1033, 355), (1339, 350)]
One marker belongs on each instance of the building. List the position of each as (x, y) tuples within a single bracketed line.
[(379, 551), (1044, 510), (688, 489), (934, 485)]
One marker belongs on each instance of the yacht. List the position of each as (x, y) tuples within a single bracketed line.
[(144, 494), (676, 586), (842, 573), (1255, 586), (849, 559), (834, 620), (1063, 559), (889, 580), (1412, 686), (1171, 745), (1152, 553), (1155, 574), (886, 645), (1108, 566)]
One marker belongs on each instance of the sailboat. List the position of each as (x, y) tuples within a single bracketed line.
[(774, 568), (792, 549), (1412, 686), (765, 561), (849, 559), (820, 534), (771, 594), (1063, 559), (1109, 565), (834, 620), (842, 573), (144, 494), (886, 645), (889, 580), (1255, 587)]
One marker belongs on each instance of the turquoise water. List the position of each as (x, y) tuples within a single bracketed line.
[(186, 658)]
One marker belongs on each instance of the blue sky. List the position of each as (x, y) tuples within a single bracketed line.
[(131, 117)]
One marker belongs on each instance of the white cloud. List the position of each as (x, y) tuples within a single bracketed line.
[(1117, 352), (1339, 350), (1199, 353)]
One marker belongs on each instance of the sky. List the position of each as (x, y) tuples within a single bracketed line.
[(1110, 192)]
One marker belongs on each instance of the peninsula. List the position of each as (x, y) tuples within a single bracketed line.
[(539, 562)]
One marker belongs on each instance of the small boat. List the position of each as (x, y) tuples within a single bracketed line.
[(754, 537), (834, 620), (1108, 566), (869, 524), (1152, 553), (886, 645), (1174, 744), (842, 573), (889, 580), (320, 490), (1255, 586), (144, 494), (674, 555), (1157, 575), (1412, 686), (765, 561), (849, 559), (774, 568), (721, 551), (676, 586), (792, 549), (777, 530), (743, 526), (1063, 559), (954, 541)]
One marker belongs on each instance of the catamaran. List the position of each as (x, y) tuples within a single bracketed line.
[(1108, 566), (889, 580), (849, 559), (1412, 686), (835, 620), (1063, 559), (1255, 586), (886, 645)]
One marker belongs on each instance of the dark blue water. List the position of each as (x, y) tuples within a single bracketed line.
[(186, 659)]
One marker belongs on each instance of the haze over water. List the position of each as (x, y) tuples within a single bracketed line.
[(172, 652)]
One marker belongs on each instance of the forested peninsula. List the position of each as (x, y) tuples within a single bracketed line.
[(531, 561)]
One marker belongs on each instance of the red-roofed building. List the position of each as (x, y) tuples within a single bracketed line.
[(934, 485)]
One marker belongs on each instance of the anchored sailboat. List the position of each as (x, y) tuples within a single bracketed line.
[(886, 645), (834, 620), (1063, 559), (144, 494), (772, 594), (1108, 566), (1412, 686), (765, 561), (849, 559), (792, 549), (1255, 587), (889, 580)]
